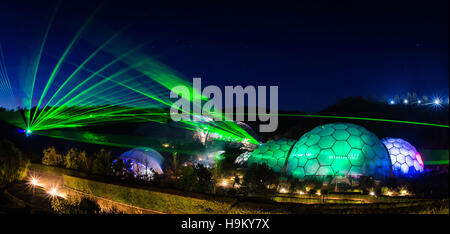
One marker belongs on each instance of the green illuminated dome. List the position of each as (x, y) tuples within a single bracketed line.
[(338, 149), (272, 153)]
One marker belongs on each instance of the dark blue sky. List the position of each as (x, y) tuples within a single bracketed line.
[(315, 51)]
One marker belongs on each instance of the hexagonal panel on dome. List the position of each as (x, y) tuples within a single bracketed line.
[(312, 166), (354, 131), (274, 154), (326, 157), (326, 142), (338, 149), (341, 166), (405, 159), (341, 135), (327, 131), (355, 142), (341, 148), (312, 140), (242, 159)]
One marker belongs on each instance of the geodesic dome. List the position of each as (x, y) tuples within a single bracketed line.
[(406, 161), (339, 149), (272, 153), (143, 160), (242, 159)]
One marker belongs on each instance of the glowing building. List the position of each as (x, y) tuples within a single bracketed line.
[(242, 159), (406, 161), (144, 161), (272, 153), (339, 149)]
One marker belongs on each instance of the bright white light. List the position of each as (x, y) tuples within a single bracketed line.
[(34, 181), (283, 190), (372, 193), (392, 102), (419, 101), (301, 192), (437, 101), (405, 101), (53, 192), (224, 183), (389, 193), (318, 193)]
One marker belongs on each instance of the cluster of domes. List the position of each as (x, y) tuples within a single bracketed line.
[(338, 149)]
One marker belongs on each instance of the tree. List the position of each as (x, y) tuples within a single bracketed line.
[(13, 166), (52, 158), (102, 163), (188, 180), (205, 179), (76, 159)]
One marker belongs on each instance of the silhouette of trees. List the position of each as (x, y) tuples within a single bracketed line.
[(102, 163), (52, 158), (76, 159), (13, 166)]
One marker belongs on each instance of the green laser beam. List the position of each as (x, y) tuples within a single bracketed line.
[(354, 118), (63, 57), (92, 55), (36, 66)]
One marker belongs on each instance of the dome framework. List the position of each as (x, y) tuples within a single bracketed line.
[(405, 159), (144, 161), (338, 149)]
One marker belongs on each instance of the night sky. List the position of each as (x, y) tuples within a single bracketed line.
[(317, 52)]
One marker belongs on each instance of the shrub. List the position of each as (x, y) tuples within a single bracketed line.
[(259, 177), (122, 169), (75, 205), (52, 158), (13, 166)]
